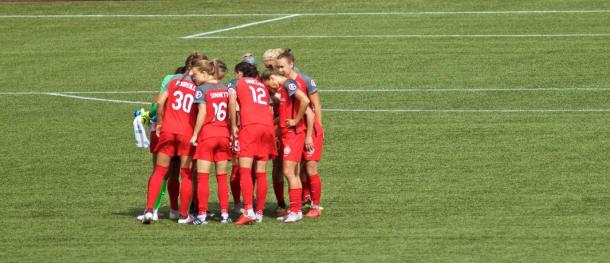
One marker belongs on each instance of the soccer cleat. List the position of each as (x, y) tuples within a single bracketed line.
[(281, 213), (174, 214), (313, 213), (186, 219), (148, 216), (243, 220), (292, 217), (201, 220), (259, 217), (225, 219), (300, 214)]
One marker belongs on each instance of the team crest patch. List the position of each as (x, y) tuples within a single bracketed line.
[(292, 86), (313, 83), (198, 94), (287, 150)]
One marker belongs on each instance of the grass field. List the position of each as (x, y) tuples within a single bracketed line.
[(468, 131)]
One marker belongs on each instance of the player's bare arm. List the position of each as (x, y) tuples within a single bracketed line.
[(200, 119)]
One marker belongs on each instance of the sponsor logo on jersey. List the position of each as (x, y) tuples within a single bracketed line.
[(292, 86), (313, 83)]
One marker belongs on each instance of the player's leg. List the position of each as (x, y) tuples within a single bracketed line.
[(294, 190), (261, 188), (186, 189), (278, 186), (203, 189), (306, 195), (154, 185), (223, 190), (173, 187), (235, 189), (245, 167), (316, 188)]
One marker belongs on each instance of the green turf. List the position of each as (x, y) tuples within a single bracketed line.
[(418, 186)]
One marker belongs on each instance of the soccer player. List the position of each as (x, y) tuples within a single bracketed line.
[(270, 62), (315, 134), (173, 184), (293, 103), (256, 138), (211, 138), (175, 123)]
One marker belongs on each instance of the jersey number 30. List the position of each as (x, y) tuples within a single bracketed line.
[(184, 102)]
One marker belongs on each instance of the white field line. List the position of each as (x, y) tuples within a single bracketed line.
[(240, 26), (422, 13), (98, 99), (466, 110), (407, 36), (397, 90)]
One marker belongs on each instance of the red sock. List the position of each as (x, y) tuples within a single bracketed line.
[(173, 189), (316, 188), (261, 191), (253, 179), (306, 193), (246, 186), (235, 191), (154, 185), (186, 190), (295, 199), (203, 191), (278, 189), (223, 192)]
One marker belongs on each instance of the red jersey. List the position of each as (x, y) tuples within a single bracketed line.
[(289, 106), (253, 100), (179, 116), (216, 100)]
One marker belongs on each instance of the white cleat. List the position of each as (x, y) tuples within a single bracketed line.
[(174, 214), (225, 219), (291, 218), (259, 217), (201, 220), (186, 220)]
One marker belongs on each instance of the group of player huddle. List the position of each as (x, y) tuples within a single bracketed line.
[(256, 117)]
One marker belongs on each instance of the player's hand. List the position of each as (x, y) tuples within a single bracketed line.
[(290, 123), (158, 129), (309, 143), (194, 140), (234, 132)]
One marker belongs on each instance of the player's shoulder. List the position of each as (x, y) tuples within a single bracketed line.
[(232, 83), (291, 85)]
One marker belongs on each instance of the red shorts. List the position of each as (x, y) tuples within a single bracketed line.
[(293, 145), (213, 149), (154, 140), (318, 145), (257, 141), (174, 145)]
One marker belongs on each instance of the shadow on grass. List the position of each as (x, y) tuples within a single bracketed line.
[(213, 207)]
